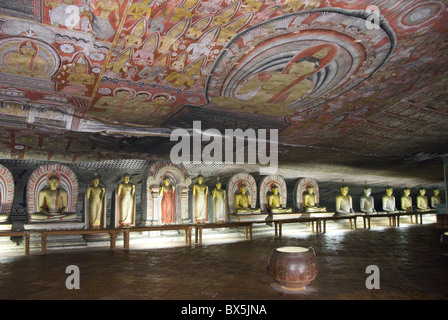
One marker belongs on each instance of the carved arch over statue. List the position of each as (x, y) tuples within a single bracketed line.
[(266, 186), (301, 187), (39, 180), (233, 186), (154, 180), (6, 191)]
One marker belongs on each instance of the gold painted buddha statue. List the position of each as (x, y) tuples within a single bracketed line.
[(406, 200), (53, 202), (344, 202), (242, 202), (388, 201), (310, 201), (275, 202), (435, 198), (422, 200)]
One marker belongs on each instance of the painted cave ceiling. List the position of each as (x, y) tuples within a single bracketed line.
[(361, 83)]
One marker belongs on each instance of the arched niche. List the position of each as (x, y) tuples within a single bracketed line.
[(301, 187), (154, 180), (266, 186), (39, 180), (233, 186), (7, 189)]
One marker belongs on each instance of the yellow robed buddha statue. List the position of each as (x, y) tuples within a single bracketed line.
[(435, 198), (388, 201), (344, 202), (242, 202), (310, 201), (422, 200), (367, 202), (406, 200), (275, 202), (52, 202)]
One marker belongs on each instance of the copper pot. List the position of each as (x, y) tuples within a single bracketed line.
[(293, 268)]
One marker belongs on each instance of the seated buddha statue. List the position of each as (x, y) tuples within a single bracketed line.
[(367, 202), (242, 202), (344, 202), (406, 200), (435, 198), (274, 204), (422, 200), (310, 201), (388, 201), (52, 203)]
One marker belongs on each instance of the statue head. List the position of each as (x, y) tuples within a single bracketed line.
[(275, 189), (310, 189), (406, 191), (243, 188), (200, 179), (436, 192), (95, 180), (344, 190), (389, 191), (367, 191), (53, 182), (166, 181), (126, 178), (422, 191), (218, 185)]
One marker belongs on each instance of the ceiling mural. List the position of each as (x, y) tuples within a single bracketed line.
[(87, 80)]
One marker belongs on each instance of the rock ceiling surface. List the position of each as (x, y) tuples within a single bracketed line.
[(353, 83)]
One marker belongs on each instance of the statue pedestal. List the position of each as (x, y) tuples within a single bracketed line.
[(243, 217), (55, 225), (281, 216), (317, 214), (5, 226)]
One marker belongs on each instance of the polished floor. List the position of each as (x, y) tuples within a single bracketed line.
[(413, 264)]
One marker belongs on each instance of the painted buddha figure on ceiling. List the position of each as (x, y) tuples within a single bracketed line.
[(344, 202), (367, 202), (274, 204), (422, 200), (270, 92), (435, 198), (52, 202), (242, 202), (388, 201), (26, 61), (406, 200), (310, 201)]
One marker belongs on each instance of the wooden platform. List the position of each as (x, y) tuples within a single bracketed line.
[(317, 222)]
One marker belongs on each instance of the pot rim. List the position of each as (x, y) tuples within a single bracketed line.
[(292, 249)]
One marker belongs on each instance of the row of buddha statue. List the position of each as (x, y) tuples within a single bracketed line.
[(344, 202), (52, 202)]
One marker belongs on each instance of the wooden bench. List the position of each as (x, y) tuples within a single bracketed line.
[(394, 218), (127, 231), (63, 232), (351, 218), (25, 234), (412, 214), (198, 228)]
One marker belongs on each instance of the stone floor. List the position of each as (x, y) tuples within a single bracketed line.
[(413, 264)]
